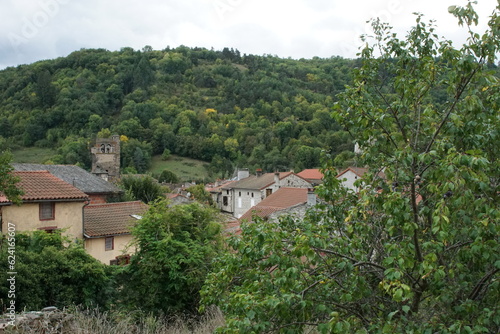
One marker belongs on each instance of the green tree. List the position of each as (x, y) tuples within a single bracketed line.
[(200, 194), (142, 188), (168, 176), (417, 252), (137, 154), (50, 273), (8, 180), (176, 246)]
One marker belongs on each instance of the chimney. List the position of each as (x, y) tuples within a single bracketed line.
[(311, 197), (277, 179), (243, 173), (258, 172)]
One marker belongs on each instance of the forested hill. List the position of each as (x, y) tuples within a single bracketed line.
[(218, 106)]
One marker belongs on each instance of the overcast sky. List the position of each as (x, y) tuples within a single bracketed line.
[(34, 30)]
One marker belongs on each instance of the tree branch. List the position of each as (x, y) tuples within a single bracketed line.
[(481, 284)]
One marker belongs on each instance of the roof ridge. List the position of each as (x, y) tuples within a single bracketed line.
[(116, 203)]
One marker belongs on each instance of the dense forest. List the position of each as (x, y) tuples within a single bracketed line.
[(228, 109)]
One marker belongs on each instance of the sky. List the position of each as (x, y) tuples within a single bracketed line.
[(35, 30)]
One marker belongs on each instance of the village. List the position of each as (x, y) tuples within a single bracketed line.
[(82, 204)]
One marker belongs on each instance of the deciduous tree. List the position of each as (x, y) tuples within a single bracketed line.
[(417, 251)]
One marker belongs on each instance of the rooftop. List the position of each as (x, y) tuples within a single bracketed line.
[(42, 185), (359, 171), (281, 199), (257, 182), (311, 174), (78, 177), (111, 218)]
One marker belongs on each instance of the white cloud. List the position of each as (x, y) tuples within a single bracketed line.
[(41, 29)]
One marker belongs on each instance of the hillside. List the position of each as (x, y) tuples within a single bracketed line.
[(217, 106)]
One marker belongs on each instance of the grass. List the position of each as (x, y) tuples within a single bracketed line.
[(33, 155), (96, 322), (186, 169)]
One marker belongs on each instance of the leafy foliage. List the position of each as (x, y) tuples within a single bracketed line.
[(210, 105), (417, 251), (175, 249), (142, 187), (200, 194), (168, 176), (51, 272), (7, 180)]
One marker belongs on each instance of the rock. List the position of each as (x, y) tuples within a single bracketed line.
[(49, 309)]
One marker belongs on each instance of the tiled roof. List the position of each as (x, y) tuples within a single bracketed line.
[(111, 218), (311, 174), (218, 188), (42, 185), (359, 171), (282, 199), (256, 182), (78, 177)]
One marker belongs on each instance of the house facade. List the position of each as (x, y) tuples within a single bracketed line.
[(48, 204), (350, 175), (239, 196), (107, 229)]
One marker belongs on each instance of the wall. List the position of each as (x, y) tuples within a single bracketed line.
[(291, 181), (244, 199), (98, 199), (348, 179), (106, 157), (68, 216), (96, 248), (229, 193)]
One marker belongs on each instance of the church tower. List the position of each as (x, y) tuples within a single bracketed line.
[(106, 158)]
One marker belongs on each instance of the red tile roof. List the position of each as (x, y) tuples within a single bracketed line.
[(42, 185), (282, 199), (111, 218), (311, 174)]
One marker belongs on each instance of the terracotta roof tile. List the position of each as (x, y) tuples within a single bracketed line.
[(111, 218), (311, 174), (42, 185), (74, 175), (281, 199)]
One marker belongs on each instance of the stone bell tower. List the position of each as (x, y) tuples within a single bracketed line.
[(106, 158)]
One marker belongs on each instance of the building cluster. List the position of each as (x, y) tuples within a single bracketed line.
[(270, 195), (83, 205)]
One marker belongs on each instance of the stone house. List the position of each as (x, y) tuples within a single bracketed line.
[(283, 201), (48, 204), (239, 196), (107, 229), (350, 175), (98, 189)]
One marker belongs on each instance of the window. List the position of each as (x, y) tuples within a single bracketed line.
[(224, 201), (239, 194), (47, 210), (269, 192), (48, 229), (109, 243)]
